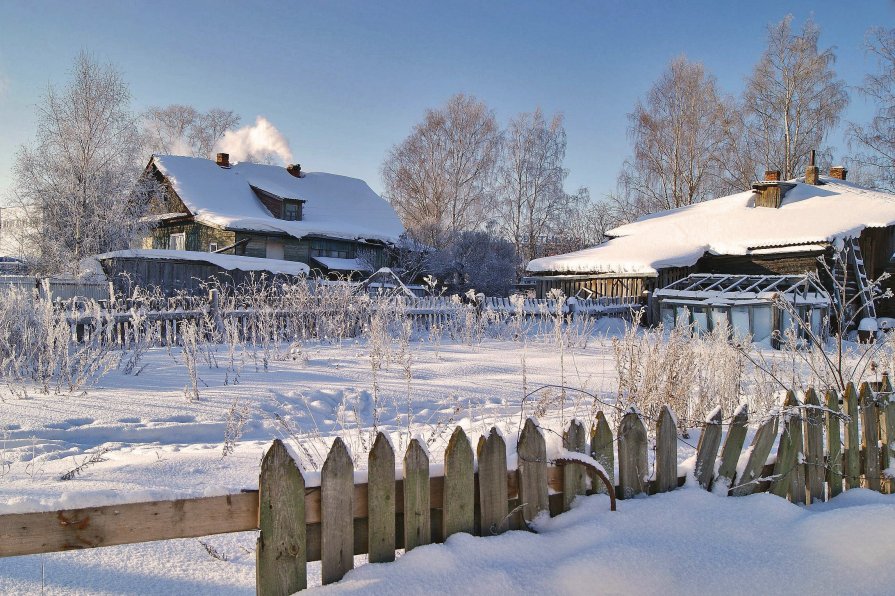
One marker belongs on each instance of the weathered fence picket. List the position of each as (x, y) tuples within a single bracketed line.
[(833, 443), (602, 450), (852, 440), (887, 433), (417, 524), (459, 486), (336, 514), (532, 466), (789, 449), (633, 465), (493, 484), (733, 445), (381, 501), (870, 437), (574, 481), (666, 451), (760, 448), (707, 449), (814, 447)]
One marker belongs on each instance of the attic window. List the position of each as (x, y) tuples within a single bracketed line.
[(280, 207), (291, 210)]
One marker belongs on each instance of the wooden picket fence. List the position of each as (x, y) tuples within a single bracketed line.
[(826, 445)]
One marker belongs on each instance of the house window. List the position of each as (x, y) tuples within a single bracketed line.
[(212, 247), (177, 241), (330, 248), (292, 210)]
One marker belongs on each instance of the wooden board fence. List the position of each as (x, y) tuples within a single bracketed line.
[(333, 522)]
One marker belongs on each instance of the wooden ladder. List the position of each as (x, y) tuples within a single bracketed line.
[(856, 261)]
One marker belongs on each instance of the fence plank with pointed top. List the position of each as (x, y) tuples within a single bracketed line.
[(336, 514), (458, 513), (381, 501), (733, 446), (666, 451), (852, 440), (280, 556), (602, 449), (814, 447), (707, 449), (887, 435), (870, 437), (632, 456), (493, 484), (833, 443), (417, 520), (761, 446), (532, 469), (574, 475), (786, 470)]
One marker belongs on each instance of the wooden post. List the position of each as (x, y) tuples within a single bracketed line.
[(336, 514), (786, 470), (632, 456), (532, 469), (573, 475), (381, 501), (417, 521), (493, 484), (887, 434), (814, 447), (870, 438), (459, 486), (733, 445), (852, 449), (602, 449), (834, 443), (666, 451), (281, 555), (761, 446), (707, 449)]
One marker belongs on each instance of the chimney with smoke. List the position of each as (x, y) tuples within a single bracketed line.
[(294, 169), (812, 172), (838, 172), (223, 160)]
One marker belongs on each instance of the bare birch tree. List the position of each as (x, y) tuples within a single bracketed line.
[(679, 136), (439, 178), (792, 100), (182, 130), (77, 184), (875, 140), (530, 177)]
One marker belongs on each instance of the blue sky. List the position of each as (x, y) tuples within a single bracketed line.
[(346, 80)]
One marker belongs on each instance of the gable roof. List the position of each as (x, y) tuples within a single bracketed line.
[(335, 206), (809, 215)]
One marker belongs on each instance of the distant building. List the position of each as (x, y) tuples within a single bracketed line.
[(776, 228), (334, 224), (11, 254)]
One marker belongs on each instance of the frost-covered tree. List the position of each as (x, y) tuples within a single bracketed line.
[(476, 260), (530, 196), (183, 130), (875, 140), (792, 99), (440, 177), (679, 134), (77, 183)]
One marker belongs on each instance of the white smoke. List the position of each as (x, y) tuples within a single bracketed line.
[(261, 143)]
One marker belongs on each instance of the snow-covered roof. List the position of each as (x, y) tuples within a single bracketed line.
[(335, 206), (810, 216), (228, 262), (339, 264)]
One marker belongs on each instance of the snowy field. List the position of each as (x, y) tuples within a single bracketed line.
[(151, 442)]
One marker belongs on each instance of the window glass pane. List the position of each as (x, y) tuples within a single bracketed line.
[(739, 320), (761, 322), (817, 318), (682, 316), (667, 316), (720, 317), (700, 320)]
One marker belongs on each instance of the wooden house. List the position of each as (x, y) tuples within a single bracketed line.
[(334, 224), (776, 228)]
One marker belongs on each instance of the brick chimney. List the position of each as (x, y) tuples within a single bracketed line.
[(294, 169), (223, 160), (772, 175), (812, 172), (838, 172)]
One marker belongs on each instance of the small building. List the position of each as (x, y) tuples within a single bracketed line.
[(746, 305), (776, 228), (335, 225)]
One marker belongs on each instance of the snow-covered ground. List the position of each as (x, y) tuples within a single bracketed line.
[(154, 443)]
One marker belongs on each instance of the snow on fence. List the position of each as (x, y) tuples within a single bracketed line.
[(824, 446), (57, 288), (117, 323)]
